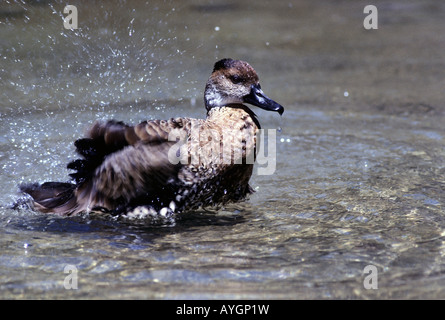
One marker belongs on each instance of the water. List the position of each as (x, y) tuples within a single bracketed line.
[(360, 173)]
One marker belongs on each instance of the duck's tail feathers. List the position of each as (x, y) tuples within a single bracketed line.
[(53, 197)]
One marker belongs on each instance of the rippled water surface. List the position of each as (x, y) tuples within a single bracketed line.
[(360, 172)]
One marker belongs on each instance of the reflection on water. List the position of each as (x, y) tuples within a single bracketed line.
[(360, 173)]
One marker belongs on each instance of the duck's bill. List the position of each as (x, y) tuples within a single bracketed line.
[(257, 98)]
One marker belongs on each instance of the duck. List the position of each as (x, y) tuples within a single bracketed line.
[(164, 167)]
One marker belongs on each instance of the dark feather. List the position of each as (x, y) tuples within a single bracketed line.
[(50, 195)]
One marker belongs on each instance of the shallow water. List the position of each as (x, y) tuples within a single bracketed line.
[(360, 173)]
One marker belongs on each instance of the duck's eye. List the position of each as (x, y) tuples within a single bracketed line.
[(235, 79)]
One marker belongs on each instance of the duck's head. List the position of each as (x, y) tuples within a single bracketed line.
[(236, 82)]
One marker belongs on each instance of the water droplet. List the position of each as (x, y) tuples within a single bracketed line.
[(279, 129)]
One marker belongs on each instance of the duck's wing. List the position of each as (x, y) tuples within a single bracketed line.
[(107, 138), (128, 165)]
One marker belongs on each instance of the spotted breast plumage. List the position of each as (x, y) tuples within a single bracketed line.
[(165, 166)]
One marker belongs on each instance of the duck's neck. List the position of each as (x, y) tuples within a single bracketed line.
[(233, 116)]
